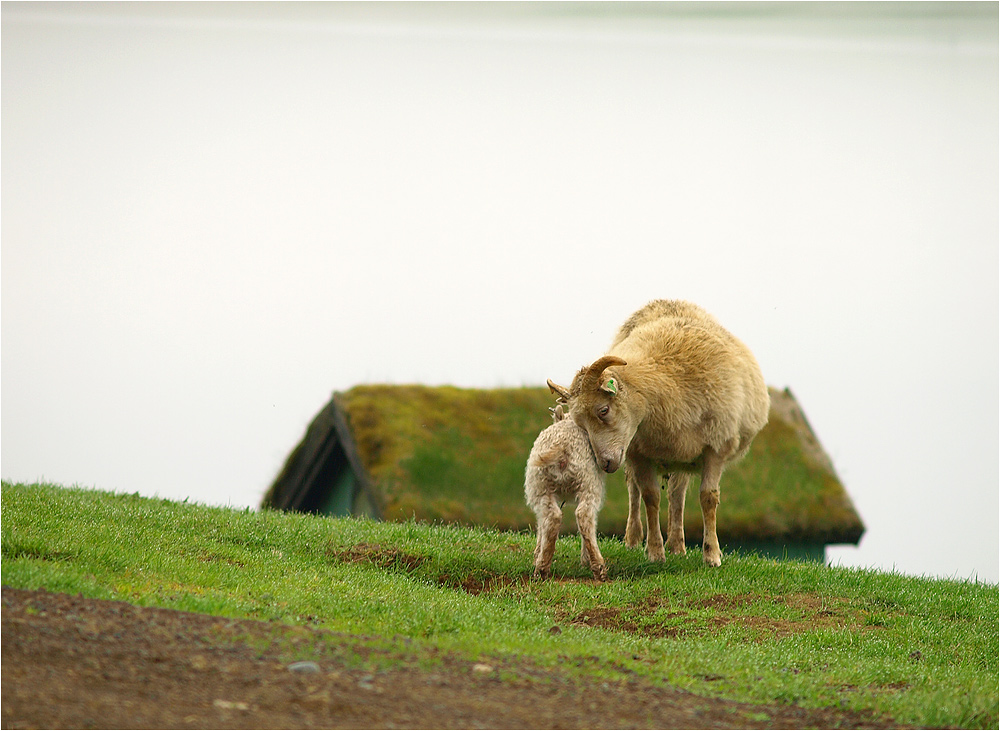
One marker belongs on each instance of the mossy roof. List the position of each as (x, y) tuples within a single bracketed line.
[(455, 455)]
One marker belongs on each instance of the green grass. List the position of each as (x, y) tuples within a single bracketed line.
[(922, 651)]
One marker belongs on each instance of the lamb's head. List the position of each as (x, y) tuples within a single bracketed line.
[(597, 403)]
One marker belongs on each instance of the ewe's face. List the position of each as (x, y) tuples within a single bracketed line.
[(597, 403), (609, 426)]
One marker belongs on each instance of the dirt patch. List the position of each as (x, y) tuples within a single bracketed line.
[(388, 557), (655, 617), (385, 557), (606, 617), (724, 603), (71, 662), (813, 603), (477, 585), (639, 618), (814, 612)]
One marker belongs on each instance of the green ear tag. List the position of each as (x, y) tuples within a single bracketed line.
[(612, 387)]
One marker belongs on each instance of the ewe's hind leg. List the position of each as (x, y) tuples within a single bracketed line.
[(633, 526), (549, 521), (586, 523), (677, 487), (642, 477), (710, 477)]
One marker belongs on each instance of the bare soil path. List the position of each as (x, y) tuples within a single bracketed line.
[(71, 662)]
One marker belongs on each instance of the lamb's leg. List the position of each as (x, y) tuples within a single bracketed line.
[(642, 477), (549, 521), (538, 537), (677, 487), (586, 523), (633, 526), (710, 477)]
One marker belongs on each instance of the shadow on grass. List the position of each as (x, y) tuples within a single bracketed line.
[(473, 577)]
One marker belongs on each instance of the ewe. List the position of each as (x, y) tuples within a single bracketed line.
[(561, 464), (676, 393)]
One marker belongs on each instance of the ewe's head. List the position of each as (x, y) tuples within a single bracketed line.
[(596, 403)]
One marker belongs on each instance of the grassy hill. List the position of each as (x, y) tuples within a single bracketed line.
[(924, 652)]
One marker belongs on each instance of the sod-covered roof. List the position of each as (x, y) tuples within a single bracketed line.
[(458, 456)]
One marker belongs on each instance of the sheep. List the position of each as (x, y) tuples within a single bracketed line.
[(561, 464), (676, 393)]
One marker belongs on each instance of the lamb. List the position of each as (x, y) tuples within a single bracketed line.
[(562, 465), (676, 393)]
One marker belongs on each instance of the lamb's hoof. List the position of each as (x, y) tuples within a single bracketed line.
[(601, 573), (633, 541), (542, 573), (678, 549), (713, 557)]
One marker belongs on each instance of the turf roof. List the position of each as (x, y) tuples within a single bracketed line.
[(455, 455)]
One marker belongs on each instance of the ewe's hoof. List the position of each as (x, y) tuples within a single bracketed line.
[(601, 573), (713, 557), (678, 549), (542, 573), (656, 554)]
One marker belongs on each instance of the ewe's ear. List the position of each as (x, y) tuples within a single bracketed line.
[(594, 379), (557, 412), (559, 390), (610, 386)]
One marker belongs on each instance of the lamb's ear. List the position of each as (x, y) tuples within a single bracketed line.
[(558, 390), (557, 413), (610, 386)]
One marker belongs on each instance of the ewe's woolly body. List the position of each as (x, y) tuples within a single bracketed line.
[(685, 396)]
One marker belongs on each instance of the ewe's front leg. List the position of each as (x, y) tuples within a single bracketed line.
[(633, 525), (710, 477), (642, 477), (677, 486), (590, 554)]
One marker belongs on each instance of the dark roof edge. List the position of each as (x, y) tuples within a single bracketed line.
[(353, 458), (287, 490), (296, 479)]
